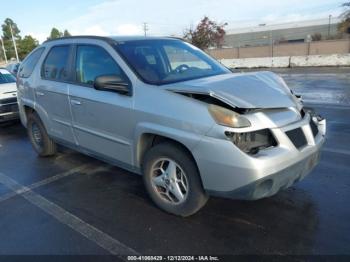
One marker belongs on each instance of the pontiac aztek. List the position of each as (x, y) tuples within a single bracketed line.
[(162, 108)]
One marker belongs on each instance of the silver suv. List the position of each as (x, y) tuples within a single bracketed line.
[(162, 108)]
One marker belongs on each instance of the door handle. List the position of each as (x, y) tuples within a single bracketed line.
[(39, 93), (75, 102)]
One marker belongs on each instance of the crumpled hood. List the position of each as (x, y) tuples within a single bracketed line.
[(243, 90), (8, 90)]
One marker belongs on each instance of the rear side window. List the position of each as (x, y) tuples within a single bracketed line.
[(29, 63), (93, 61), (55, 66)]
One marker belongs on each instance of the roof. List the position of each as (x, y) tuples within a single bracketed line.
[(78, 37), (137, 38), (112, 38)]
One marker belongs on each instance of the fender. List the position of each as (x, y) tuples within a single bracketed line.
[(187, 139)]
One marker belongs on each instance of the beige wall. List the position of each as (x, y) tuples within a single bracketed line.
[(296, 49), (328, 47), (292, 49), (259, 51)]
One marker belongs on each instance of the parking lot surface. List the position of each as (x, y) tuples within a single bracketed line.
[(73, 204)]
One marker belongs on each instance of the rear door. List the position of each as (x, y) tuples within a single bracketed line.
[(52, 92), (102, 120)]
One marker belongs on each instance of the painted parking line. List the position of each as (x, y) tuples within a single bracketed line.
[(95, 235), (50, 180)]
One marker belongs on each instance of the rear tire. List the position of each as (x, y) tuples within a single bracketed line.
[(38, 136), (179, 192)]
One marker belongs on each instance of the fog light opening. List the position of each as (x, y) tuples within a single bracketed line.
[(264, 188)]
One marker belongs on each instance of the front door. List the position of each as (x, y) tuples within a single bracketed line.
[(102, 120)]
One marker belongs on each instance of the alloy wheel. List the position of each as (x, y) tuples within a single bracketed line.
[(169, 181), (37, 136)]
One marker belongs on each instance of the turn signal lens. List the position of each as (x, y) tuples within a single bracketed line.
[(225, 117)]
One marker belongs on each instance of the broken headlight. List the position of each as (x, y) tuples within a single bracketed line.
[(252, 142), (226, 117), (314, 116)]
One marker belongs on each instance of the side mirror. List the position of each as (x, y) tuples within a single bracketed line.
[(112, 83)]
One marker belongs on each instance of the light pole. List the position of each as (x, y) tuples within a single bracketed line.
[(14, 43), (329, 25), (145, 28), (3, 49), (272, 43), (239, 48)]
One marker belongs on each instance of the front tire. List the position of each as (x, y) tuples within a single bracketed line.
[(172, 180), (39, 138)]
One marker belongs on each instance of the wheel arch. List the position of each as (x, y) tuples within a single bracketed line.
[(28, 109), (149, 137), (149, 140)]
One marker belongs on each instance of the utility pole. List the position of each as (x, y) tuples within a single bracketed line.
[(145, 28), (14, 43), (329, 25), (239, 48), (272, 43), (3, 49)]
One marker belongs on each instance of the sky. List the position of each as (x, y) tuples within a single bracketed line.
[(164, 17)]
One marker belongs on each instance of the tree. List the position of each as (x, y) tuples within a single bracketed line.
[(66, 33), (207, 34), (55, 33), (344, 26), (316, 37), (6, 32), (26, 45)]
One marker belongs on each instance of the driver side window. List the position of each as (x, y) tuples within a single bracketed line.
[(93, 61), (180, 56)]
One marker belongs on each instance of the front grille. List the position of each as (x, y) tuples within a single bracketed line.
[(314, 127), (10, 100), (297, 137), (8, 108)]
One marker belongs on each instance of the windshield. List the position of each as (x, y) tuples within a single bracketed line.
[(168, 61), (6, 77)]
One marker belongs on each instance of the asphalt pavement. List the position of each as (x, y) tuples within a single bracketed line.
[(72, 204)]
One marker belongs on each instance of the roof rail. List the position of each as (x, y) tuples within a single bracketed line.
[(103, 38)]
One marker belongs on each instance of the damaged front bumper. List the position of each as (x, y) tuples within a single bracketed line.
[(227, 171)]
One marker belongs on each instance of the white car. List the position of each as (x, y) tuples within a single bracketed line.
[(8, 96)]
